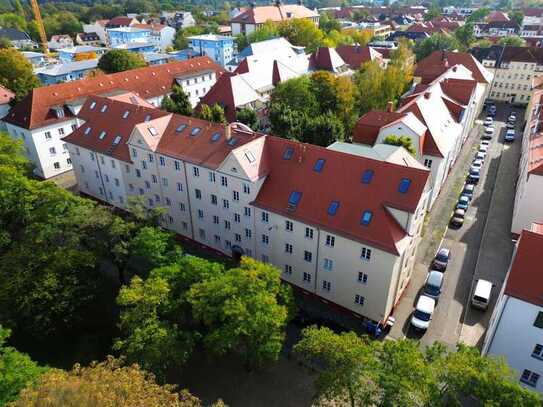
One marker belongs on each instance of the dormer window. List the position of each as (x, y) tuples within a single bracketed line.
[(59, 112), (126, 114), (87, 131), (147, 117), (103, 109), (195, 131), (102, 135), (92, 105), (152, 131)]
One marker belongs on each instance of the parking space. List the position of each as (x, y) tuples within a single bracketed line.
[(465, 243)]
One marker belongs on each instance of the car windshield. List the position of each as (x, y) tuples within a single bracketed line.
[(441, 257), (432, 289), (423, 316)]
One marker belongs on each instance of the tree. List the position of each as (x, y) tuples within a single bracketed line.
[(327, 23), (517, 16), (180, 41), (360, 37), (62, 22), (403, 141), (153, 247), (17, 370), (349, 365), (213, 113), (324, 130), (118, 60), (478, 15), (177, 102), (12, 154), (433, 12), (205, 112), (369, 82), (484, 43), (12, 20), (465, 35), (154, 343), (302, 32), (267, 31), (108, 383), (436, 42), (16, 73), (83, 56), (248, 117), (512, 41), (244, 309)]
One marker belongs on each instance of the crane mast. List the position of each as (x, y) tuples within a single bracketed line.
[(41, 29)]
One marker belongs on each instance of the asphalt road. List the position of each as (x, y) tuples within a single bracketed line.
[(447, 323)]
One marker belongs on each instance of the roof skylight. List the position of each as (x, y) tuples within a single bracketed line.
[(152, 131), (102, 135), (333, 207), (366, 218), (404, 185), (294, 198), (180, 128), (88, 130), (126, 114), (289, 152), (367, 176), (318, 165), (215, 137), (195, 131)]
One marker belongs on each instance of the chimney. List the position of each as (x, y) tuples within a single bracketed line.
[(454, 68), (300, 2), (390, 106), (427, 95), (227, 132)]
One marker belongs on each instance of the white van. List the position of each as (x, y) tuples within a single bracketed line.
[(481, 294)]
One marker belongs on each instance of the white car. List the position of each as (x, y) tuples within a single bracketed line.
[(488, 121), (483, 148), (423, 312), (480, 156), (477, 164), (485, 143), (489, 131)]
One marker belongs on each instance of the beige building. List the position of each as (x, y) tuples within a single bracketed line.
[(342, 227)]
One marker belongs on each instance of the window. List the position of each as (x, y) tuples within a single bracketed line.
[(181, 206), (69, 161), (328, 264), (211, 176), (538, 351), (217, 239), (177, 165), (213, 199), (237, 237), (56, 166), (112, 163), (530, 378), (265, 239), (288, 248), (52, 151), (202, 234), (307, 277), (154, 178), (358, 299), (319, 164), (237, 218), (134, 152), (103, 109), (82, 168), (404, 185), (168, 201), (330, 240), (428, 163), (215, 219), (309, 233), (367, 176), (289, 152), (362, 278), (539, 320), (48, 134), (289, 226), (265, 258), (196, 171), (77, 151), (200, 214), (151, 158), (248, 233), (179, 186), (61, 131), (147, 184), (117, 183), (224, 181), (235, 195), (366, 253), (92, 105), (308, 256), (246, 189), (326, 285), (227, 224), (165, 182), (144, 165), (250, 156), (288, 269), (366, 218), (198, 194), (157, 198), (225, 204), (265, 216), (333, 207), (294, 199), (247, 211), (74, 127)]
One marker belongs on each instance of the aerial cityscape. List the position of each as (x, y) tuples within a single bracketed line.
[(271, 203)]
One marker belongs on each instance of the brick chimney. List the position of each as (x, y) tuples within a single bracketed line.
[(390, 106), (227, 132)]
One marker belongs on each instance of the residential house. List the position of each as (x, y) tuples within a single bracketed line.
[(496, 29), (162, 36), (528, 208), (121, 22), (274, 46), (89, 39), (514, 69), (99, 28), (37, 59), (218, 47), (497, 16), (60, 41), (179, 20), (80, 52), (49, 113), (243, 193), (515, 331), (19, 39), (254, 17), (128, 35), (156, 58), (65, 72), (137, 47)]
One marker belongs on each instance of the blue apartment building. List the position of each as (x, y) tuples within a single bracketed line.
[(218, 47), (127, 35), (65, 72)]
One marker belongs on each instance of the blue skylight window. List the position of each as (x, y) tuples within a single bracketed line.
[(92, 105), (366, 218), (180, 128), (232, 141), (87, 131), (318, 165), (294, 198), (195, 131), (215, 137), (367, 176), (126, 114), (289, 152), (102, 135), (147, 117), (404, 185), (332, 209)]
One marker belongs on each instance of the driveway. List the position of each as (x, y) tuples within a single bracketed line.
[(465, 243)]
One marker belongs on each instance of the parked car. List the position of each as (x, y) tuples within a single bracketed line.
[(512, 117), (480, 156), (468, 191), (509, 135), (489, 121), (442, 259), (510, 126), (457, 219), (423, 312), (477, 164), (434, 282), (484, 143), (492, 110), (488, 133), (474, 176), (481, 294), (463, 202)]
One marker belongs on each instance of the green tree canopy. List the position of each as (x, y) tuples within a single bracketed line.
[(213, 113), (118, 60), (62, 22), (436, 42), (177, 102), (465, 36), (512, 41), (16, 73), (478, 15), (403, 141), (248, 117)]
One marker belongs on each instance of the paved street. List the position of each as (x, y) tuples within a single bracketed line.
[(491, 197)]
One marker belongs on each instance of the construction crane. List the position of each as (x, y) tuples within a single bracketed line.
[(41, 29)]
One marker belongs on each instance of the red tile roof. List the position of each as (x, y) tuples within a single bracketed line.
[(497, 16), (259, 15), (121, 21), (319, 189), (460, 90), (222, 92), (34, 110), (5, 95), (429, 145), (439, 61), (355, 55), (111, 121), (525, 280), (368, 126)]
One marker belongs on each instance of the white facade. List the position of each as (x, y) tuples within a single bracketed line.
[(97, 27), (513, 80), (196, 85)]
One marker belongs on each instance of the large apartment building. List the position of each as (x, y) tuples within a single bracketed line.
[(514, 69), (49, 113), (529, 193), (341, 227)]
